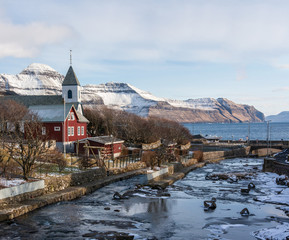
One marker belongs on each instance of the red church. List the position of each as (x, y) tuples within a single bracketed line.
[(61, 115)]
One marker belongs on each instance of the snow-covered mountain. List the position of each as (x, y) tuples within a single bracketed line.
[(40, 79), (281, 117), (36, 79), (120, 96)]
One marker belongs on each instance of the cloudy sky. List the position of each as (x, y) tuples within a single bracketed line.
[(179, 49)]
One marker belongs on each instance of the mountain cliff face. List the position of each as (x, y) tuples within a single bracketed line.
[(40, 79), (215, 110)]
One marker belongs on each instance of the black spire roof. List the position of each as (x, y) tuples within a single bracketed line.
[(70, 78)]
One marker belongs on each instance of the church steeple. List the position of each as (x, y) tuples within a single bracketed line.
[(70, 78), (71, 86)]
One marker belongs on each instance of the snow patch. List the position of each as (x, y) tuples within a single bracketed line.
[(275, 233), (199, 103), (273, 193), (38, 68), (11, 182), (222, 228)]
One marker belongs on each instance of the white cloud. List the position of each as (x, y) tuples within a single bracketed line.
[(26, 40), (186, 30), (282, 89), (283, 66)]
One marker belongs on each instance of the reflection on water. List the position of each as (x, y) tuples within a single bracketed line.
[(147, 216)]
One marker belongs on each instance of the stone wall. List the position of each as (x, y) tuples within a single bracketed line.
[(263, 152), (21, 197), (190, 162), (219, 155), (158, 174), (211, 156), (57, 183), (271, 165)]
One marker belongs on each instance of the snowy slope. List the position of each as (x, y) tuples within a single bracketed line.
[(199, 103), (121, 96)]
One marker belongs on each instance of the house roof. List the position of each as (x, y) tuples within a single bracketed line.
[(198, 136), (55, 113), (31, 100), (106, 140), (70, 78)]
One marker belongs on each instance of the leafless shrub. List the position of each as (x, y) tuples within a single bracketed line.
[(55, 157), (134, 129), (84, 163), (149, 158), (198, 155)]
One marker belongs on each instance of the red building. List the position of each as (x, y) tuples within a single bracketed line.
[(61, 115), (105, 144), (55, 128)]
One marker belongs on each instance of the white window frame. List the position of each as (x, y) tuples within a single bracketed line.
[(72, 116), (68, 131), (43, 130), (56, 129), (78, 131), (72, 131), (82, 130)]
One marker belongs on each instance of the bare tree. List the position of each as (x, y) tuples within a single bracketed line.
[(11, 114), (26, 147), (133, 128)]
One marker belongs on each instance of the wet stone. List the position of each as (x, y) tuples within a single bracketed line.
[(110, 235)]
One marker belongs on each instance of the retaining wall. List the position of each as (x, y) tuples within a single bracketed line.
[(219, 155), (21, 192), (271, 165), (57, 183), (157, 174)]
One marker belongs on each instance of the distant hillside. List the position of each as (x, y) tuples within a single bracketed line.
[(281, 117), (40, 79)]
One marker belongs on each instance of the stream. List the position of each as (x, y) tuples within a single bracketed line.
[(174, 213)]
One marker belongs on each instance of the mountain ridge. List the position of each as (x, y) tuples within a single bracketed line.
[(41, 79), (280, 117)]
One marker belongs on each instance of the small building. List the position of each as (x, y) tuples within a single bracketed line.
[(103, 145), (213, 138)]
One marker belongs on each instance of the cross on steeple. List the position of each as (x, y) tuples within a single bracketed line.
[(70, 57)]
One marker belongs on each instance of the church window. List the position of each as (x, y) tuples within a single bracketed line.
[(69, 94)]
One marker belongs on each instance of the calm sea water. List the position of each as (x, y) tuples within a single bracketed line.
[(236, 131)]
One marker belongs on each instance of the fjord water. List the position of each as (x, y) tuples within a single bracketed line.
[(146, 215), (236, 131)]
